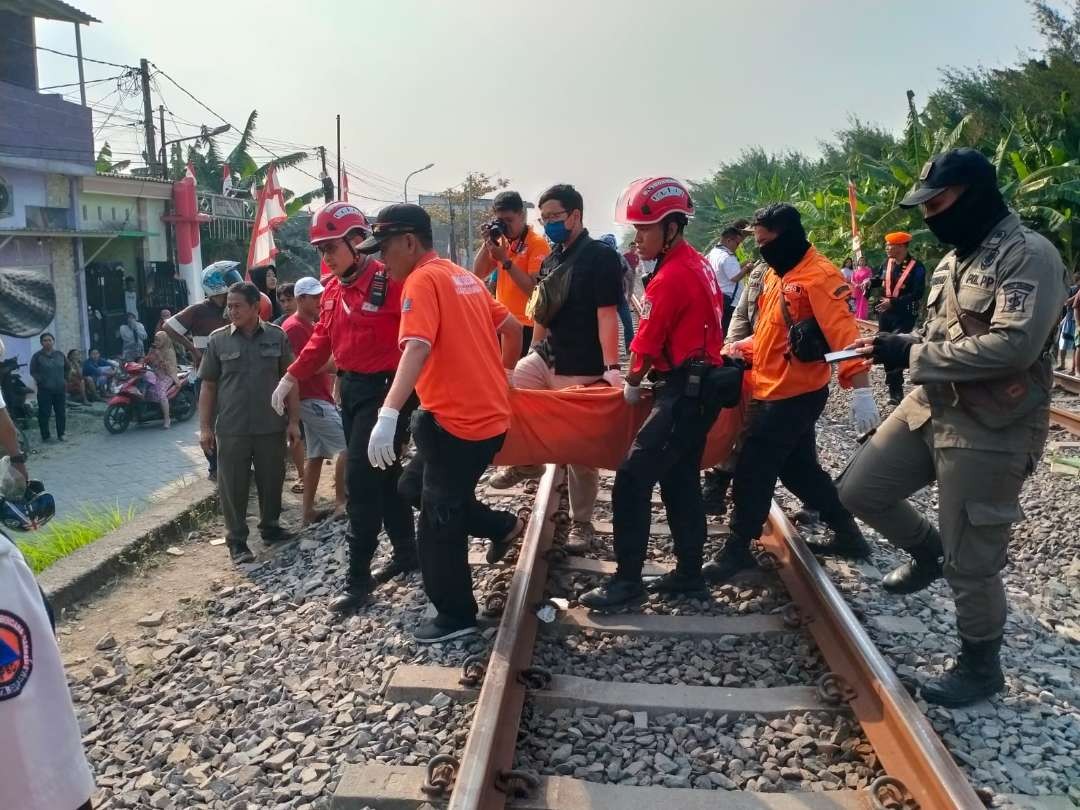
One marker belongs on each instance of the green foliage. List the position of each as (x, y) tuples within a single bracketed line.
[(1022, 118), (104, 162), (63, 536)]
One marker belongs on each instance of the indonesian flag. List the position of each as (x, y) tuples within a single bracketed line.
[(856, 242), (226, 179), (190, 172), (269, 214), (345, 186)]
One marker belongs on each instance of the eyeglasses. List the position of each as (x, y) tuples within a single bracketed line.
[(554, 216)]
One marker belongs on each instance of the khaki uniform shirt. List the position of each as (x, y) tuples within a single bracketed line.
[(1016, 281), (742, 322), (246, 370)]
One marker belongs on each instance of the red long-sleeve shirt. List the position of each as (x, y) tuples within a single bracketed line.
[(360, 336)]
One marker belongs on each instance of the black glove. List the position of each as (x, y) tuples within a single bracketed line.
[(892, 351)]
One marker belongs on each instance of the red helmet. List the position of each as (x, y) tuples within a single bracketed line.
[(649, 199), (337, 220)]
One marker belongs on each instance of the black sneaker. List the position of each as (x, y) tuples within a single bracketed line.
[(729, 563), (614, 593), (240, 554), (432, 631), (688, 583), (499, 548), (394, 566)]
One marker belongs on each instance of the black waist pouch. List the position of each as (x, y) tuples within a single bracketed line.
[(722, 385)]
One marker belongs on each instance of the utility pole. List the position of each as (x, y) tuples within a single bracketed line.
[(78, 57), (328, 190), (148, 116), (339, 154), (164, 157), (453, 239), (468, 225)]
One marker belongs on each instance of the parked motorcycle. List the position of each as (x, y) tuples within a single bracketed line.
[(14, 391), (130, 403)]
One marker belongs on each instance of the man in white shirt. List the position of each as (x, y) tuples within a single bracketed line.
[(43, 766), (131, 298), (726, 265)]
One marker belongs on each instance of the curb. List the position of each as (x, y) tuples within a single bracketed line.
[(90, 568)]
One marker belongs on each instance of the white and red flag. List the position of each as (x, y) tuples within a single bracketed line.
[(345, 186), (269, 214)]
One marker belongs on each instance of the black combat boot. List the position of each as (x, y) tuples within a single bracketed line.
[(846, 541), (358, 586), (917, 573), (976, 674), (680, 582), (714, 491), (614, 593), (734, 559), (397, 564)]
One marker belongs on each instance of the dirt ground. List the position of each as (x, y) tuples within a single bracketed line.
[(168, 583)]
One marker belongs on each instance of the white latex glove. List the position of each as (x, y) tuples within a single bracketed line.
[(631, 393), (277, 399), (380, 448), (613, 377), (864, 412)]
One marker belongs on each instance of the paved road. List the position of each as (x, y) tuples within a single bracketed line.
[(94, 469)]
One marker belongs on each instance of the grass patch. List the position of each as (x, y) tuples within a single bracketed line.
[(61, 537)]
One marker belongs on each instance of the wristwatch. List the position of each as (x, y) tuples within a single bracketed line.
[(18, 459), (613, 367), (507, 264)]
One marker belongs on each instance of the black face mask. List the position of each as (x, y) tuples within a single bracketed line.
[(966, 222), (786, 250)]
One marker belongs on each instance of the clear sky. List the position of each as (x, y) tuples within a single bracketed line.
[(592, 92)]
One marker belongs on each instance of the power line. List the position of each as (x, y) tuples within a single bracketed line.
[(69, 55), (87, 83)]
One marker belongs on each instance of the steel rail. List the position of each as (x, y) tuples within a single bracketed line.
[(1067, 382), (903, 739), (1070, 420), (866, 327), (489, 750)]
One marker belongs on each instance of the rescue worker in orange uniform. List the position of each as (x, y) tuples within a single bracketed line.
[(357, 335), (903, 283), (802, 314), (679, 341)]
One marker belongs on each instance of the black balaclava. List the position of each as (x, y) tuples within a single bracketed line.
[(786, 250), (969, 220)]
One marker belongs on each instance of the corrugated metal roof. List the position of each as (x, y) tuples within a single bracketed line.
[(47, 10)]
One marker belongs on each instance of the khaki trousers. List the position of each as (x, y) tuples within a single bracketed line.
[(533, 374), (978, 501), (236, 455)]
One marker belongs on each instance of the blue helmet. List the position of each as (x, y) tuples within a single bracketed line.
[(32, 512), (609, 240), (215, 277)]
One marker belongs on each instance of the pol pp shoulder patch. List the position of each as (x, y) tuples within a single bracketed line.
[(16, 655)]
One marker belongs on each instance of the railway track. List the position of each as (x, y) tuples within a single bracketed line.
[(1061, 417), (915, 768)]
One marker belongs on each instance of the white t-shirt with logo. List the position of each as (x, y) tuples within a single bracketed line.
[(42, 765), (726, 267)]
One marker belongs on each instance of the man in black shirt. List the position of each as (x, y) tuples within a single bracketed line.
[(579, 343)]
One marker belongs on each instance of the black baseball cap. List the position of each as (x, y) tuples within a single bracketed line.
[(957, 167), (508, 201), (394, 220)]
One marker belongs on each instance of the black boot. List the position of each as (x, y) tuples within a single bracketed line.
[(917, 573), (676, 581), (714, 491), (734, 559), (614, 593), (975, 675), (806, 517), (358, 586), (397, 564), (846, 541)]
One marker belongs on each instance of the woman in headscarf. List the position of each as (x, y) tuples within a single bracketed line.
[(162, 362)]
